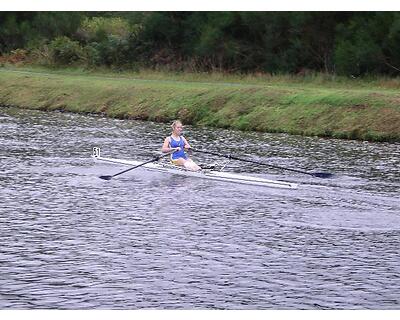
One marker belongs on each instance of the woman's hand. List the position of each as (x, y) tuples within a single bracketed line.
[(187, 147)]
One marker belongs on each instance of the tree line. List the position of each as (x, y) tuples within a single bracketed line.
[(344, 43)]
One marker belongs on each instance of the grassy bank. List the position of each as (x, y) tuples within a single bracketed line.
[(340, 108)]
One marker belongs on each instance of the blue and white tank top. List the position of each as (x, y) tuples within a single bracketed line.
[(177, 143)]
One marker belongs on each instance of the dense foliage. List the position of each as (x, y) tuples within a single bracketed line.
[(348, 43)]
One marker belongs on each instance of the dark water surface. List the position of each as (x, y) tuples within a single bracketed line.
[(70, 240)]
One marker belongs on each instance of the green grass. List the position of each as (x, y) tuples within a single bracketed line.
[(319, 105)]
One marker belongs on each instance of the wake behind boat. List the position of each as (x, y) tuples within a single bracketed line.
[(210, 174)]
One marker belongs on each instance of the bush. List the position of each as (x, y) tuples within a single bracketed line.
[(113, 51), (91, 55), (65, 51), (107, 41), (16, 56), (97, 29), (41, 55)]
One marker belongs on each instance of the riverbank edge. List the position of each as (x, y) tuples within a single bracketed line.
[(371, 114)]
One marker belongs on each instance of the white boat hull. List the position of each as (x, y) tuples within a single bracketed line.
[(205, 174)]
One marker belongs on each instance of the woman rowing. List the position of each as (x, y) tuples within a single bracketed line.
[(177, 142)]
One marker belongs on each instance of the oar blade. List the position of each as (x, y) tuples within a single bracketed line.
[(322, 174), (106, 177)]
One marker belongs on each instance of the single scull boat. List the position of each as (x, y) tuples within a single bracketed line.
[(205, 173)]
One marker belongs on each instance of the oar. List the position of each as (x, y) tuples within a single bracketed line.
[(315, 174), (139, 165)]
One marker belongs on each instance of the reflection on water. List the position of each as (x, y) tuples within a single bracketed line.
[(151, 240)]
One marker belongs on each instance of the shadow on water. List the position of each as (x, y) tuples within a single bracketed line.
[(149, 240)]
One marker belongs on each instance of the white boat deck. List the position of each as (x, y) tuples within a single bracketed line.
[(205, 174)]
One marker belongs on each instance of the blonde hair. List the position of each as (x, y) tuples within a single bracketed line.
[(175, 123)]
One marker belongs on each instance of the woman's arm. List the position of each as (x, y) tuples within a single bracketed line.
[(166, 148), (187, 145)]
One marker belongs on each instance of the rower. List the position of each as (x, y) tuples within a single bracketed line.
[(177, 142)]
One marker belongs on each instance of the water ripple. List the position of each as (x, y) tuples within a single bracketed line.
[(154, 241)]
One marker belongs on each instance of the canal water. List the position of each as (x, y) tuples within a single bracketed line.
[(149, 240)]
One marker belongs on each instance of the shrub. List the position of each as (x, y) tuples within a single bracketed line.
[(65, 51), (113, 51), (91, 55), (97, 29), (16, 56)]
